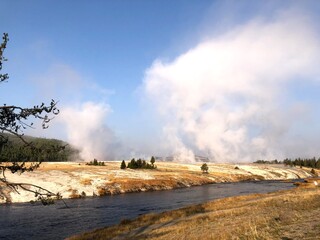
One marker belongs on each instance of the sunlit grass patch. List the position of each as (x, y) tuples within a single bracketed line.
[(86, 181), (290, 214)]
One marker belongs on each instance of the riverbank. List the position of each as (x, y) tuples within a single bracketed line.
[(76, 180), (289, 214)]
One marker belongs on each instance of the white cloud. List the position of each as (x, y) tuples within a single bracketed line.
[(227, 96)]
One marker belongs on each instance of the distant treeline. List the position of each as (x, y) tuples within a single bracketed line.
[(268, 161), (95, 162), (13, 148), (302, 162)]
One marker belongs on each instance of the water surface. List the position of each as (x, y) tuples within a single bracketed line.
[(27, 221)]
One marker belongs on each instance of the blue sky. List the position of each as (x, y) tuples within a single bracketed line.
[(105, 53), (110, 43)]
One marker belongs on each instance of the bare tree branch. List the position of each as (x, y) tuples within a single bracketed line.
[(13, 120), (5, 38), (43, 195)]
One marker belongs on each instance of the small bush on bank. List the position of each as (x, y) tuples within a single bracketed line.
[(95, 163), (314, 172), (204, 168)]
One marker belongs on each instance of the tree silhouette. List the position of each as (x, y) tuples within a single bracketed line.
[(204, 168), (153, 160), (123, 165), (13, 120)]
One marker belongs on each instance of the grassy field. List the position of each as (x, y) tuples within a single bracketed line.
[(291, 214), (75, 179)]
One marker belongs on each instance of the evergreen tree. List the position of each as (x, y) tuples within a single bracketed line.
[(123, 165), (318, 164), (139, 163), (132, 164), (153, 160), (144, 164)]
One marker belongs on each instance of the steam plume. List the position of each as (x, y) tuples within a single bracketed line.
[(87, 131), (230, 97)]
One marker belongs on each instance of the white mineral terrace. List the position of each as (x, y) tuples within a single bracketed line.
[(72, 177)]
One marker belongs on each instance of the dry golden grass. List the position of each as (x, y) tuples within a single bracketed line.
[(110, 179), (86, 181), (292, 214), (75, 194), (167, 176)]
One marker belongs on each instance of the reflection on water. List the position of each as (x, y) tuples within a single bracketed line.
[(26, 221)]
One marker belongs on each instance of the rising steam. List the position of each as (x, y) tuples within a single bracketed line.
[(230, 97), (87, 131)]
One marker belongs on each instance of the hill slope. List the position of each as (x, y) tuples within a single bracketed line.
[(14, 149)]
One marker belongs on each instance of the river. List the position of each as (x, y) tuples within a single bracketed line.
[(35, 221)]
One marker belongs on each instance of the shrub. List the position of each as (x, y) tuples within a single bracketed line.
[(83, 194), (125, 221), (74, 194), (95, 163), (142, 164), (102, 192), (204, 168)]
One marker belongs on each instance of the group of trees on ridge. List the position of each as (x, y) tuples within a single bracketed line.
[(44, 150), (139, 164), (301, 162)]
